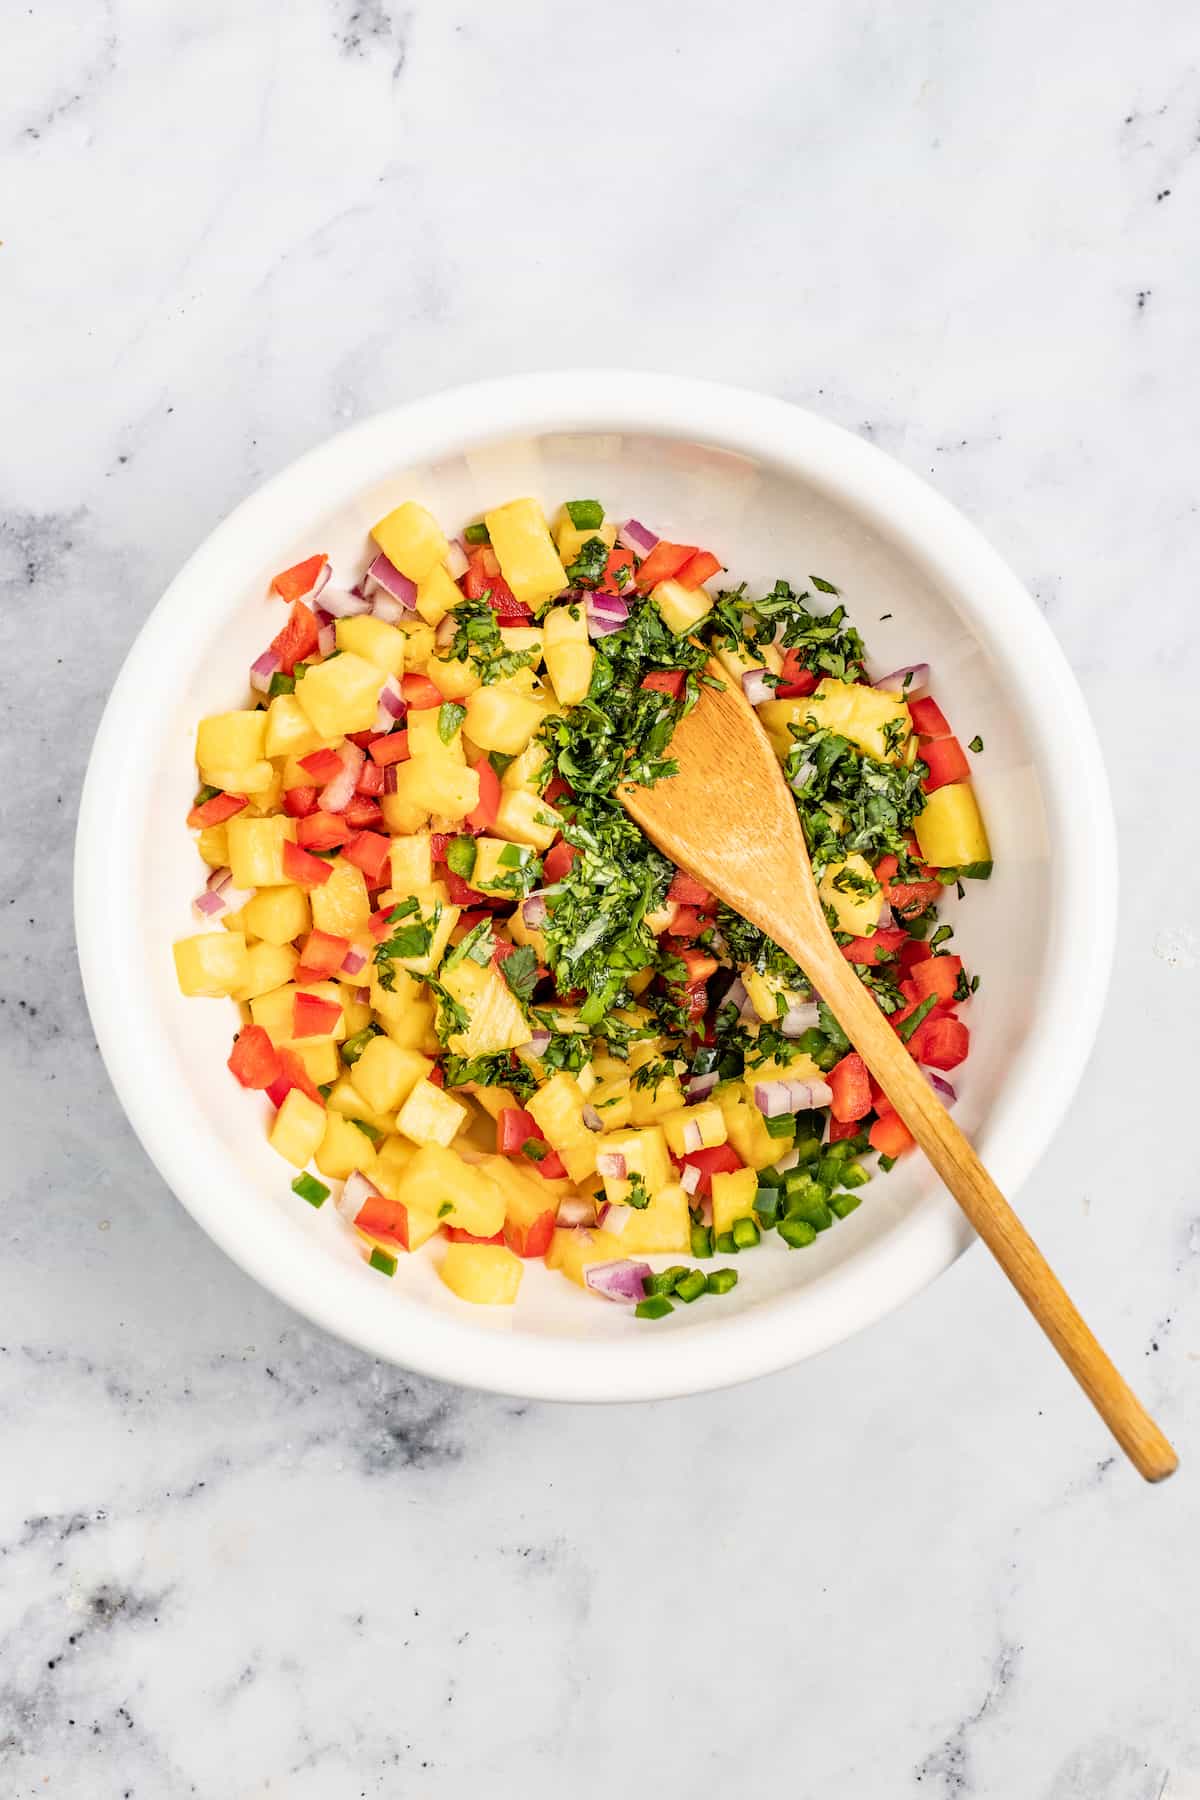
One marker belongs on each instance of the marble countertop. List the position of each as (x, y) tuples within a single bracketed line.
[(238, 1560)]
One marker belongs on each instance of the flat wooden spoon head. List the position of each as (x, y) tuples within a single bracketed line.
[(728, 818)]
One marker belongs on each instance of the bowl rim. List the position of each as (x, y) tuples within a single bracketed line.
[(789, 1326)]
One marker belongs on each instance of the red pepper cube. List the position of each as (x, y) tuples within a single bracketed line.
[(254, 1058), (946, 762), (851, 1087)]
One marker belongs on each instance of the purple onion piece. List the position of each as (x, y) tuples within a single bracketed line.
[(344, 603), (699, 1087), (387, 576), (899, 682), (756, 686), (634, 536), (624, 1280)]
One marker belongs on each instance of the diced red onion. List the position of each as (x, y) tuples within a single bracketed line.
[(446, 629), (353, 961), (268, 664), (344, 603), (327, 640), (614, 1218), (535, 912), (392, 705), (220, 878), (735, 994), (693, 1137), (606, 613), (340, 792), (611, 1165), (756, 687), (622, 1280), (356, 1191), (539, 1043), (898, 681), (774, 1098), (634, 536), (592, 1119), (575, 1210), (941, 1088), (362, 995), (799, 1019), (387, 576), (699, 1087), (886, 918), (220, 896), (690, 1178), (387, 609), (457, 560), (209, 904)]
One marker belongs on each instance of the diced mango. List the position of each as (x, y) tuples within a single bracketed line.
[(879, 724), (267, 966), (648, 1103), (524, 771), (256, 850), (950, 830), (495, 1021), (392, 1158), (425, 736), (704, 1122), (851, 889), (374, 641), (733, 1197), (412, 862), (681, 608), (499, 719), (526, 554), (385, 1074), (663, 1226), (400, 815), (645, 1154), (232, 740), (341, 905), (439, 1182), (526, 818), (611, 1100), (276, 1011), (322, 1063), (289, 730), (454, 679), (343, 1148), (411, 539), (435, 784), (278, 915), (568, 651), (341, 695), (437, 594), (747, 1132), (497, 861), (212, 963), (572, 1252), (557, 1108), (298, 1129), (213, 845), (569, 538), (430, 1115), (485, 1274)]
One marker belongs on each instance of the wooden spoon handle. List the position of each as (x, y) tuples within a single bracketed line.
[(989, 1212)]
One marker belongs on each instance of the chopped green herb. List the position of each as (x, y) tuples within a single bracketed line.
[(445, 1209), (909, 1025), (639, 1194), (353, 1047), (588, 568), (520, 971), (976, 744), (450, 716)]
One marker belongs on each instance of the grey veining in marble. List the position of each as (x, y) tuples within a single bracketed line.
[(236, 1559)]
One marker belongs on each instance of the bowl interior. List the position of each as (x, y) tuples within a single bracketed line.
[(767, 517)]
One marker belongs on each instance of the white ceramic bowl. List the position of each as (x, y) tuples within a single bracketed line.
[(775, 491)]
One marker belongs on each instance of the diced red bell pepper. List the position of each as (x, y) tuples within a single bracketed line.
[(946, 761), (463, 894), (369, 851), (723, 1160), (293, 1074), (533, 1239), (314, 1017), (482, 556), (890, 1135), (938, 976), (695, 1000), (851, 1087), (500, 597), (298, 638), (928, 719), (323, 831), (361, 739), (907, 898), (483, 816), (558, 860), (664, 561), (940, 1041), (370, 780), (618, 558), (300, 579), (299, 802), (558, 788), (666, 681), (323, 765), (688, 891), (842, 1128), (363, 813), (300, 867), (514, 1128), (689, 922), (912, 952), (216, 810), (795, 681), (699, 964), (698, 569), (439, 843), (457, 1235), (390, 749), (324, 952), (879, 1100), (420, 693), (436, 1076), (382, 1217), (254, 1058), (380, 923), (871, 950)]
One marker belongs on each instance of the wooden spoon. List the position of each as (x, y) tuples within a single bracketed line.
[(728, 818)]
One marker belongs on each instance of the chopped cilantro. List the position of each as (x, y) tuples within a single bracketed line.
[(477, 640), (450, 716), (976, 744), (588, 568), (520, 971), (639, 1194), (460, 856)]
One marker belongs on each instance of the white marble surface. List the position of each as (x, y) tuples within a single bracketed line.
[(237, 1560)]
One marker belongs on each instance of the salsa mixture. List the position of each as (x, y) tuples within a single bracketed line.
[(477, 998)]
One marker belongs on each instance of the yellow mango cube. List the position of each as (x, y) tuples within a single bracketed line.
[(495, 1021), (435, 784), (525, 551), (385, 1074), (213, 845), (232, 740), (341, 695), (437, 1179), (298, 1129), (568, 651), (400, 816), (527, 819), (681, 608), (500, 719), (523, 638), (485, 1274), (700, 1127), (392, 1157), (573, 1252), (268, 966), (411, 539), (557, 1108), (289, 730), (664, 1226), (453, 679), (733, 1197), (278, 915), (374, 641), (341, 905), (256, 850), (525, 770), (950, 830), (851, 890), (644, 1151), (437, 594), (212, 964), (343, 1148), (569, 538), (425, 736), (747, 1131), (276, 1013), (322, 1063), (412, 862), (611, 1100), (431, 1116), (878, 724)]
